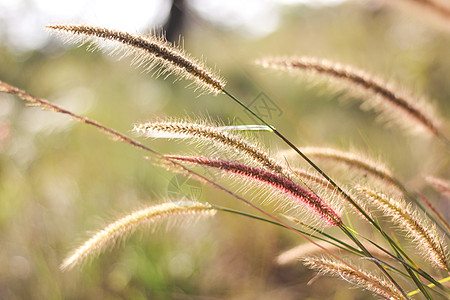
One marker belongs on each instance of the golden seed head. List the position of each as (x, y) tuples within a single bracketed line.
[(416, 226), (150, 52), (128, 224), (217, 135), (368, 280), (394, 106)]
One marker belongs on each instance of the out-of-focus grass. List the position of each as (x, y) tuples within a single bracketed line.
[(59, 179)]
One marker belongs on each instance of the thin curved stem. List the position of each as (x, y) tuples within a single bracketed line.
[(335, 242)]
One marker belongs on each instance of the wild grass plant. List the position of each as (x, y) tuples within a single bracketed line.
[(352, 211)]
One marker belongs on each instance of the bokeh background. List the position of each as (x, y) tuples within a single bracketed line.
[(60, 180)]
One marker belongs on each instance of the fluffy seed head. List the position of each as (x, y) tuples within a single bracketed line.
[(280, 183), (217, 135), (394, 106), (149, 51), (416, 227), (368, 280), (128, 224)]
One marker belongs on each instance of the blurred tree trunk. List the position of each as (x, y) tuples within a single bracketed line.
[(175, 24)]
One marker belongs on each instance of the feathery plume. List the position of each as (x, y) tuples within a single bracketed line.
[(150, 51), (440, 184), (128, 224), (393, 105), (408, 219), (367, 280), (217, 135), (280, 183)]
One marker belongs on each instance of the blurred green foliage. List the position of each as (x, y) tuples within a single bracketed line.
[(60, 179)]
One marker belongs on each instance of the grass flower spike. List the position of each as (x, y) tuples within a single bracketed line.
[(408, 219), (150, 51), (128, 224), (280, 183), (393, 105), (363, 278), (216, 135)]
